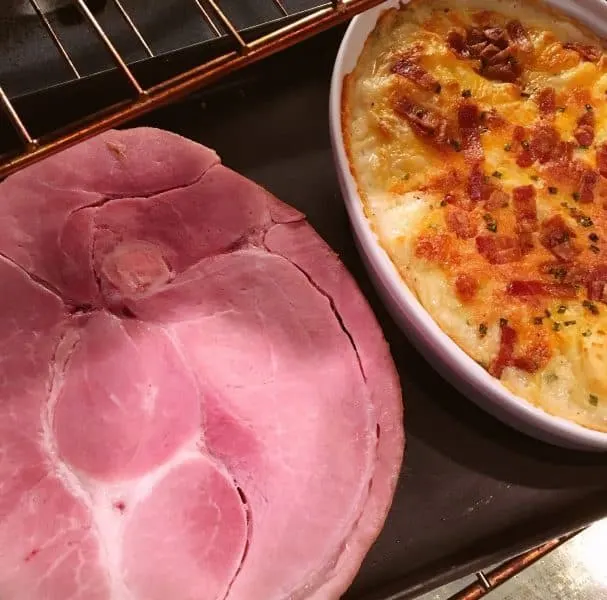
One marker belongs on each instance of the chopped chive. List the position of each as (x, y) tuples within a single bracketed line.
[(587, 333), (561, 309), (561, 109), (547, 313), (497, 174), (558, 272), (576, 196), (482, 329), (534, 178), (508, 147), (456, 145), (550, 377), (593, 237), (588, 106), (564, 204), (491, 223), (594, 248), (525, 95), (582, 147), (552, 190), (538, 320), (407, 176), (503, 322), (593, 399), (556, 326), (567, 323), (443, 203), (585, 221), (590, 306), (467, 93), (525, 144)]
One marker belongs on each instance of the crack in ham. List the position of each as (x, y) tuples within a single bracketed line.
[(197, 402)]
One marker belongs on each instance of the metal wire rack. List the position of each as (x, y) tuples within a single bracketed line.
[(240, 46)]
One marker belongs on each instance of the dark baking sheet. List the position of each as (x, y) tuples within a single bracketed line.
[(472, 491)]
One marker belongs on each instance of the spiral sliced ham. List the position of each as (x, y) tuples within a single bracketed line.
[(197, 402)]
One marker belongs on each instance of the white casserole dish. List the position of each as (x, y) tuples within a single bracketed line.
[(439, 349)]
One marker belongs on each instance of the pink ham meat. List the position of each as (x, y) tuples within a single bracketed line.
[(197, 402)]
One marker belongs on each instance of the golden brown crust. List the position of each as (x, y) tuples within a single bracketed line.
[(460, 110)]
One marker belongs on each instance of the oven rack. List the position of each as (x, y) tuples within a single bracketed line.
[(235, 47)]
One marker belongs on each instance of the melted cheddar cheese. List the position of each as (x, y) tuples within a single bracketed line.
[(478, 139)]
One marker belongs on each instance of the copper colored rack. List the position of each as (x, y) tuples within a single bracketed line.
[(243, 51), (488, 581)]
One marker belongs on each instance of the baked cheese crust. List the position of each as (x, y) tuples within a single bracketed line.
[(477, 134)]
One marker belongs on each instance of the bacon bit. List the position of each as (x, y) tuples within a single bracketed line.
[(526, 215), (466, 287), (459, 201), (506, 351), (519, 134), (547, 102), (460, 223), (518, 34), (562, 167), (497, 199), (525, 240), (523, 198), (475, 183), (491, 46), (457, 43), (563, 151), (544, 140), (508, 71), (405, 67), (534, 358), (584, 132), (586, 51), (498, 249), (597, 290), (601, 159), (540, 288), (434, 247), (424, 122), (524, 159), (597, 284), (588, 181), (557, 237), (468, 121)]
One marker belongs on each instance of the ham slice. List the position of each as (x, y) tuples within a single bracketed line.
[(197, 401)]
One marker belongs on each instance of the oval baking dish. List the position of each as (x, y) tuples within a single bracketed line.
[(436, 346)]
